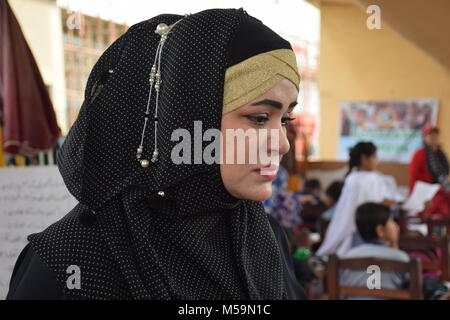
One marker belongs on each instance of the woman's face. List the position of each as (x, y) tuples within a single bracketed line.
[(250, 176), (369, 163), (432, 139)]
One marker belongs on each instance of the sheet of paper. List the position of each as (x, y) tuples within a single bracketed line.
[(422, 193), (31, 199), (422, 228)]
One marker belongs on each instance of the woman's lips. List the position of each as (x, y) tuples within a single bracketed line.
[(268, 172)]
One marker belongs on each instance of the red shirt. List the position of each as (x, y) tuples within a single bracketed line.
[(418, 169)]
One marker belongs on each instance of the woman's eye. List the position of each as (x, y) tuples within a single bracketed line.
[(285, 120), (260, 120)]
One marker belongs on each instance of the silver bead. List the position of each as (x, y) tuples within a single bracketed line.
[(157, 86), (161, 193), (144, 163), (111, 71), (155, 156), (162, 29), (140, 150)]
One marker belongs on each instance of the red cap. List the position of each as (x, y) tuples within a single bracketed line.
[(430, 129)]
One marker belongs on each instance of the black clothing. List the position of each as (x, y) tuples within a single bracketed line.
[(32, 279), (438, 166), (166, 231)]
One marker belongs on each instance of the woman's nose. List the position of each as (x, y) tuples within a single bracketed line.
[(278, 142), (284, 142)]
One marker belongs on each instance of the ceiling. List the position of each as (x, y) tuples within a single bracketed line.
[(424, 23)]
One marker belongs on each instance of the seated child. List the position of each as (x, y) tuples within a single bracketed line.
[(310, 195), (312, 205), (332, 194), (380, 234)]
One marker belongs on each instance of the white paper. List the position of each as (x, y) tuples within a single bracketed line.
[(422, 228), (31, 199), (422, 193)]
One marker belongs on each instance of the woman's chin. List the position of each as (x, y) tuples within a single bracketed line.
[(258, 193)]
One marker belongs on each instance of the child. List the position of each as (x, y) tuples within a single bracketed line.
[(362, 184), (380, 233), (332, 195), (310, 196)]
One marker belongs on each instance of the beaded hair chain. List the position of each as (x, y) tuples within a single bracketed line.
[(155, 81)]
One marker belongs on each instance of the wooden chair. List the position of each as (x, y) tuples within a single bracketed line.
[(413, 268), (304, 236), (324, 223), (410, 244), (310, 217), (404, 220), (442, 222)]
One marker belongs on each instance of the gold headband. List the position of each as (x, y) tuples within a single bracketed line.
[(252, 77)]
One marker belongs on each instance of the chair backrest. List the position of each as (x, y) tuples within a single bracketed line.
[(430, 243), (433, 223), (324, 223), (310, 217), (304, 238), (413, 268)]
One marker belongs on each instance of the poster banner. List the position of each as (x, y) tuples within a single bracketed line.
[(393, 126)]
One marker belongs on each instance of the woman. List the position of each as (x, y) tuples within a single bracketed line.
[(148, 226), (362, 184), (429, 164)]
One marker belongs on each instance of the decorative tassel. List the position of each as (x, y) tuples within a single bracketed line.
[(155, 81)]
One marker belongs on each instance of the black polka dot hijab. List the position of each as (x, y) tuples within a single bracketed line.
[(155, 229)]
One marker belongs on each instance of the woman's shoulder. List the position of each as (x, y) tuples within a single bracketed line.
[(419, 155), (32, 279), (420, 152), (358, 179), (70, 233), (40, 267), (363, 177), (70, 246)]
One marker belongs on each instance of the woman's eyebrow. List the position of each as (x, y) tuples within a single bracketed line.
[(273, 103)]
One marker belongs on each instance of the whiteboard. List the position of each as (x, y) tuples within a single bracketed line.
[(31, 199)]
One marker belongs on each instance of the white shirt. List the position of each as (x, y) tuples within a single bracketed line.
[(359, 187)]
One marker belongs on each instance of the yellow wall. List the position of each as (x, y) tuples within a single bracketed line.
[(361, 64)]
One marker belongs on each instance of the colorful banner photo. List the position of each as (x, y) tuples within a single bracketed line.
[(394, 126)]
